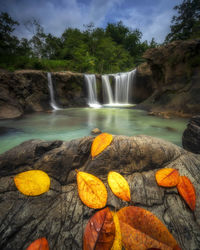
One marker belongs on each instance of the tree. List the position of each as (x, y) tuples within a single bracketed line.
[(187, 24), (52, 47), (37, 42), (117, 31), (8, 42)]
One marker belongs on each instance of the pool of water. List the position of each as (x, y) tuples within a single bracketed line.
[(78, 122)]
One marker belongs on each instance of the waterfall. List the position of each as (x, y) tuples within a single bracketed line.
[(92, 91), (107, 90), (52, 100), (122, 89), (123, 82)]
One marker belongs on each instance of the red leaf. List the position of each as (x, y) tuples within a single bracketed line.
[(100, 231), (39, 244), (187, 191)]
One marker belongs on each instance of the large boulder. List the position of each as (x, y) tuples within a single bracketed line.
[(174, 78), (60, 216), (191, 135)]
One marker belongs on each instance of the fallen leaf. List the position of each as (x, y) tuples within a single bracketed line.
[(153, 248), (167, 177), (119, 186), (91, 190), (187, 191), (147, 223), (117, 244), (135, 239), (101, 142), (100, 231), (32, 182), (39, 244)]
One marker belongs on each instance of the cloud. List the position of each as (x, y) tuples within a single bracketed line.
[(152, 21), (151, 17), (56, 15)]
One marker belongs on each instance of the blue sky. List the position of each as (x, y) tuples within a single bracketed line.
[(152, 17)]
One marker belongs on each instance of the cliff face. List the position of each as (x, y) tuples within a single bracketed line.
[(171, 78), (27, 91), (69, 89)]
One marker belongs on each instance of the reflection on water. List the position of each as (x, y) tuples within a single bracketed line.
[(78, 122)]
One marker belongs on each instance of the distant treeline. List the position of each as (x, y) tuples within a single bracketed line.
[(114, 48)]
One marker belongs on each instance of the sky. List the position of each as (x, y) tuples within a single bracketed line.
[(151, 17)]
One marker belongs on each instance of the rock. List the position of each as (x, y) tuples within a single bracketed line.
[(60, 216), (27, 91), (143, 85), (172, 78), (191, 136), (96, 131), (70, 90), (9, 111)]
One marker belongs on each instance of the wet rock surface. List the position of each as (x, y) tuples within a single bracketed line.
[(60, 216), (191, 136)]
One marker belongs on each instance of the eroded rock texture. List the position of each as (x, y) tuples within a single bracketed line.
[(60, 216), (170, 79), (191, 136)]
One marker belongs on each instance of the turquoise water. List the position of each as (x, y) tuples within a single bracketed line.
[(78, 122)]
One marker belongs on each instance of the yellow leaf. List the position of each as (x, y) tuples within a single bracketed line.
[(119, 186), (91, 190), (101, 142), (117, 244), (32, 182)]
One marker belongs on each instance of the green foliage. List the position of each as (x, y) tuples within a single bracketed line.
[(95, 50), (187, 24), (8, 43)]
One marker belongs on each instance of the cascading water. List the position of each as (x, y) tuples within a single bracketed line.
[(50, 85), (122, 89), (92, 91), (107, 90)]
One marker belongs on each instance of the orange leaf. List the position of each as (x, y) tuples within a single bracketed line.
[(167, 177), (135, 239), (91, 190), (101, 142), (119, 186), (100, 231), (147, 223), (39, 244), (187, 191)]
